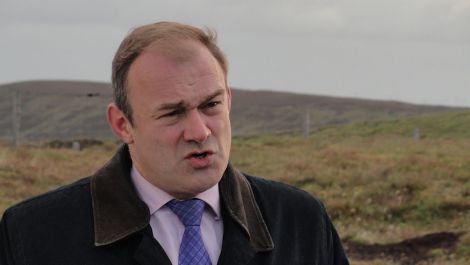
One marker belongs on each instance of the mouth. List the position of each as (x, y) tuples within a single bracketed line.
[(199, 154)]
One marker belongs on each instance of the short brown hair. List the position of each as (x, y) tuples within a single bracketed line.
[(142, 37)]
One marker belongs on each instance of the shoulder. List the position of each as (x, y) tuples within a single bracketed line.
[(52, 204), (290, 212), (297, 221), (50, 223)]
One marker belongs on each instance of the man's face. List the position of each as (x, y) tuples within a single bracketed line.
[(181, 135)]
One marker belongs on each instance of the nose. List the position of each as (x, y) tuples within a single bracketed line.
[(196, 129)]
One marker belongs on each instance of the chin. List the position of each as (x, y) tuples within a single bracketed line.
[(207, 183), (194, 191)]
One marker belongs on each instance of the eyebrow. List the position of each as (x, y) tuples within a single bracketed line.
[(182, 103)]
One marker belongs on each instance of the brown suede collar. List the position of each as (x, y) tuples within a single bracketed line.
[(118, 211)]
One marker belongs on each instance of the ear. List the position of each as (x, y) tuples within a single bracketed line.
[(119, 124)]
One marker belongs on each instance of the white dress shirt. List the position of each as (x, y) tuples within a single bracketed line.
[(166, 226)]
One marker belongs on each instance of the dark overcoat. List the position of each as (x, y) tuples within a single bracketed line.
[(101, 220)]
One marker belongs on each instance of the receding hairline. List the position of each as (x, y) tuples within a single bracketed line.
[(185, 51), (169, 36), (179, 52), (176, 49)]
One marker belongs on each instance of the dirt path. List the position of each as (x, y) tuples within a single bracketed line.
[(406, 252)]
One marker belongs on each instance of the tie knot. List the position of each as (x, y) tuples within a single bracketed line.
[(189, 211)]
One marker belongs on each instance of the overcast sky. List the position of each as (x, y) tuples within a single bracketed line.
[(409, 50)]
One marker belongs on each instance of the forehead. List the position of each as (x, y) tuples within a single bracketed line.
[(178, 50), (161, 74)]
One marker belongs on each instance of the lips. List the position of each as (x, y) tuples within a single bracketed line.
[(200, 158), (199, 154)]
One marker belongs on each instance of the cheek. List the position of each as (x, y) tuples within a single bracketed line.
[(222, 131), (168, 139), (221, 124), (156, 141)]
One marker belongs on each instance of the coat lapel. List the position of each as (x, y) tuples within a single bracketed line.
[(118, 212), (236, 246), (240, 204), (245, 232)]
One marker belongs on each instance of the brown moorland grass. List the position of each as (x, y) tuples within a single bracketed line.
[(30, 170), (379, 184)]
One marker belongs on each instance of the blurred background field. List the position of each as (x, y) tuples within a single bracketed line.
[(381, 181)]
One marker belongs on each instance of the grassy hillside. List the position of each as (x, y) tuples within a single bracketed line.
[(70, 109), (257, 112), (56, 110), (379, 184)]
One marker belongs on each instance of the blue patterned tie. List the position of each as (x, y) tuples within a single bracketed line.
[(192, 251)]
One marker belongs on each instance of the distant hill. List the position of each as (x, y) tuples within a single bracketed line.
[(75, 109)]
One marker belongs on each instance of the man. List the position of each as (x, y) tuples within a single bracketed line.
[(169, 195)]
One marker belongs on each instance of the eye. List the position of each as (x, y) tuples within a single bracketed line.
[(174, 113), (212, 104)]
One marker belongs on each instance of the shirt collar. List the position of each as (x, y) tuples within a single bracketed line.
[(156, 198)]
